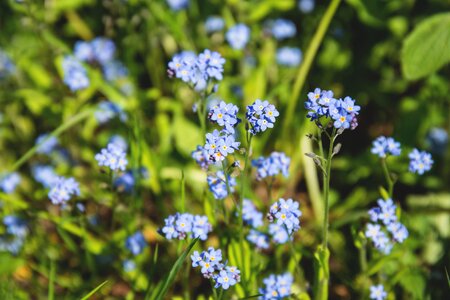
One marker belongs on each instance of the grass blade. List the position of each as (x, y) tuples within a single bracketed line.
[(94, 290), (174, 271), (51, 281)]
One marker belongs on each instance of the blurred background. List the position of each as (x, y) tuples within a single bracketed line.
[(363, 55)]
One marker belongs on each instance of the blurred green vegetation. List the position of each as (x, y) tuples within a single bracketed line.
[(368, 53)]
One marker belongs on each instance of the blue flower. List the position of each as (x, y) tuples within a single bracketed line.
[(251, 215), (136, 243), (196, 259), (107, 110), (279, 233), (7, 67), (437, 139), (217, 184), (179, 226), (399, 231), (261, 115), (46, 144), (45, 175), (306, 6), (119, 141), (383, 146), (342, 112), (225, 279), (225, 115), (177, 5), (214, 23), (125, 182), (9, 182), (16, 232), (114, 70), (377, 292), (129, 265), (84, 51), (75, 75), (289, 56), (274, 164), (286, 213), (63, 189), (199, 70), (201, 157), (420, 161), (112, 157), (260, 240), (219, 144), (103, 49), (282, 29), (276, 286), (238, 36)]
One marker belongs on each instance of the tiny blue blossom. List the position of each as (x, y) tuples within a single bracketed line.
[(274, 164), (261, 115), (46, 144), (114, 70), (112, 157), (238, 36), (63, 189), (260, 240), (9, 182), (289, 56), (103, 49), (306, 6), (219, 144), (437, 139), (251, 215), (384, 146), (276, 287), (119, 141), (282, 29), (420, 161), (75, 75), (279, 233), (225, 115), (225, 279), (286, 213), (14, 238), (217, 184), (180, 226), (377, 292), (129, 265), (7, 67), (106, 110), (214, 23), (177, 5), (201, 157), (136, 243), (45, 175)]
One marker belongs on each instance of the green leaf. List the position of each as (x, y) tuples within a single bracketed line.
[(427, 48), (51, 281), (174, 271), (94, 290)]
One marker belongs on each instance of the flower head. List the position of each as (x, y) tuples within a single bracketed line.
[(377, 292), (224, 115), (251, 215), (46, 144), (286, 213), (384, 146), (282, 29), (276, 286), (420, 161), (112, 157), (9, 182), (214, 23), (107, 110), (179, 226), (219, 144), (45, 175), (218, 186), (7, 67), (260, 240), (63, 189), (177, 5), (261, 115), (289, 56), (75, 75), (136, 243), (274, 164), (238, 36)]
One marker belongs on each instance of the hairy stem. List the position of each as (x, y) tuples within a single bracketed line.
[(387, 175)]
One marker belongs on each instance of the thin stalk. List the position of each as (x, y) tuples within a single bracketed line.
[(297, 263), (201, 116), (326, 191), (308, 60), (227, 182), (388, 177)]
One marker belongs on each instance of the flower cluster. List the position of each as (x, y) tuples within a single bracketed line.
[(261, 115), (385, 229), (377, 292), (177, 5), (251, 215), (437, 139), (199, 70), (420, 161), (100, 50), (179, 226), (136, 243), (224, 115), (125, 182), (276, 287), (219, 144), (384, 146), (214, 23), (238, 36), (63, 189), (75, 75), (9, 182), (211, 265), (113, 157), (201, 157), (14, 237), (45, 175), (274, 164), (218, 185), (287, 216), (342, 112), (306, 6), (107, 110), (282, 29), (46, 144), (289, 56), (7, 67)]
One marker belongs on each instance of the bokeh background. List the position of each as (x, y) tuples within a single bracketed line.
[(361, 56)]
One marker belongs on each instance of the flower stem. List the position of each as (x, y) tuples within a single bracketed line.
[(388, 177)]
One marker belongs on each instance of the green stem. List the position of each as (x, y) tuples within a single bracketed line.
[(388, 177), (55, 133), (308, 60), (297, 263), (326, 191), (227, 182)]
